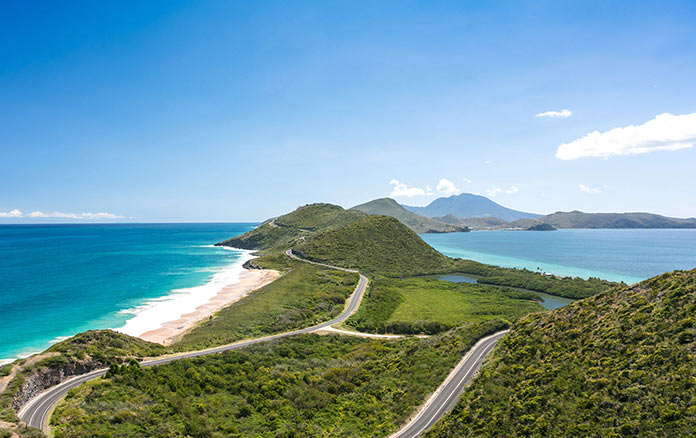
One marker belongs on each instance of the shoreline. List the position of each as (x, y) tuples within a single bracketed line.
[(249, 281)]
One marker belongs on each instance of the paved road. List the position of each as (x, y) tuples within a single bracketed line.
[(446, 396), (36, 412)]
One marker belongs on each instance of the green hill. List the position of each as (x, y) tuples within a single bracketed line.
[(293, 227), (619, 364), (419, 224), (375, 245)]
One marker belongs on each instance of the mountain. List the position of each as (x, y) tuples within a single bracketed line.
[(419, 224), (619, 364), (578, 219), (468, 205)]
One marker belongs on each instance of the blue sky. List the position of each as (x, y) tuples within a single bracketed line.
[(229, 111)]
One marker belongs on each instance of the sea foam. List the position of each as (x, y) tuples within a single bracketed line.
[(155, 312)]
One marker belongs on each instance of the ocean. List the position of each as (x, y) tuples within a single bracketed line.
[(59, 280), (626, 255)]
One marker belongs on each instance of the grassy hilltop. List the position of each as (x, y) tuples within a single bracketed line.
[(620, 364), (375, 245), (289, 229)]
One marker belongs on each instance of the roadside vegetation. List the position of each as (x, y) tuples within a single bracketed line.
[(304, 386), (82, 353), (428, 306), (305, 295), (568, 287), (620, 364)]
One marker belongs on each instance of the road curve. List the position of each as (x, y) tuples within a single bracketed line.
[(36, 411), (445, 397)]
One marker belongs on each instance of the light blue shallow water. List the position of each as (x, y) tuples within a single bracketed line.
[(617, 255), (59, 280)]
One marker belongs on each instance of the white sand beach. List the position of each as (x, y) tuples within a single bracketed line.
[(249, 281)]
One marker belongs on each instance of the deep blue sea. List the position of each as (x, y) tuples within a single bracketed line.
[(59, 280), (617, 255)]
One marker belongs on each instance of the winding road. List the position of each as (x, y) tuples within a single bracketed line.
[(36, 412)]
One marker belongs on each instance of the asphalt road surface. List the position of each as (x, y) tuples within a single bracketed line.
[(37, 411), (446, 396)]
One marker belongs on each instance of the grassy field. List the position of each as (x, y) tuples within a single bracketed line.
[(619, 364), (305, 295), (426, 305), (304, 386)]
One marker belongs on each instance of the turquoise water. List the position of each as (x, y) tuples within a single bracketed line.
[(59, 280), (548, 301), (617, 255)]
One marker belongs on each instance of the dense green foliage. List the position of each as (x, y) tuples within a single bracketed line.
[(105, 346), (426, 305), (306, 295), (375, 245), (416, 222), (620, 364), (84, 352), (284, 231), (21, 431), (305, 386), (569, 287), (5, 370)]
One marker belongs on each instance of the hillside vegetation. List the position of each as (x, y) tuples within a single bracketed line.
[(375, 245), (620, 364), (426, 305), (304, 386), (79, 354), (419, 224), (286, 230), (305, 295)]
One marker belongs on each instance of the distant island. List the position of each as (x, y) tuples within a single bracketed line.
[(467, 212), (470, 205)]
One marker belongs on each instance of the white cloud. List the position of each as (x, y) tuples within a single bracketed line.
[(11, 213), (401, 190), (58, 214), (492, 192), (666, 132), (447, 187), (565, 113), (590, 190)]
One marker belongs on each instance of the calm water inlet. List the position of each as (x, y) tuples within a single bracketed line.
[(617, 255)]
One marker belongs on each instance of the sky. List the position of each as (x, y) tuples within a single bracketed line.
[(239, 111)]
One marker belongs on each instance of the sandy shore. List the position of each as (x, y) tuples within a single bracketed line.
[(249, 281)]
